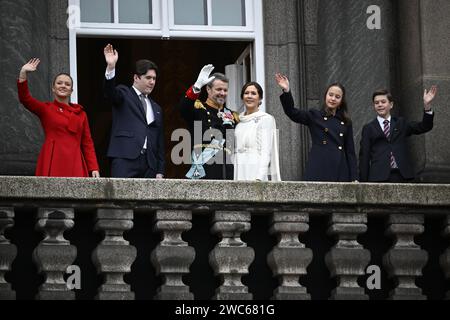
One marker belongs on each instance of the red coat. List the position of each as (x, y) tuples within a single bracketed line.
[(68, 150)]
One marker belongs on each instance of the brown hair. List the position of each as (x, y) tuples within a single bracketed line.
[(342, 110)]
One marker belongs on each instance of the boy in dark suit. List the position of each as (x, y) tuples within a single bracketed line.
[(383, 156), (136, 147)]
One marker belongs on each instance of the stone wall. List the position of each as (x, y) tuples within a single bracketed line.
[(28, 29)]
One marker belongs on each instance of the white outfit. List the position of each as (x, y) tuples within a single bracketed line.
[(256, 148)]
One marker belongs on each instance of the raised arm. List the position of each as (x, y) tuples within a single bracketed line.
[(416, 127), (428, 97), (186, 105), (25, 97), (111, 57), (287, 101), (110, 91)]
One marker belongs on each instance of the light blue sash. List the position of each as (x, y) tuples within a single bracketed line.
[(197, 171)]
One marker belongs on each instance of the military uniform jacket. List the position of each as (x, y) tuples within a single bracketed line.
[(193, 111), (332, 156)]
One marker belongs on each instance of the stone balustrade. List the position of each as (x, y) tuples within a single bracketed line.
[(289, 210)]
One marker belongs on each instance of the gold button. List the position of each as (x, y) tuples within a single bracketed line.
[(208, 113), (341, 134), (209, 120), (324, 142), (326, 130), (325, 118), (340, 148)]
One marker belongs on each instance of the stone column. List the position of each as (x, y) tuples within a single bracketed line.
[(173, 256), (445, 257), (362, 59), (289, 258), (231, 258), (54, 253), (347, 259), (114, 256), (8, 252), (424, 43), (405, 260), (282, 52)]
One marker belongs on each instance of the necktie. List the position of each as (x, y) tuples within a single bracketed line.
[(387, 133), (144, 103)]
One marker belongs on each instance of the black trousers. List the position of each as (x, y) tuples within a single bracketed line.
[(132, 168), (396, 177)]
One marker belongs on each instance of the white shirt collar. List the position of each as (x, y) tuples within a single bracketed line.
[(381, 120), (138, 92)]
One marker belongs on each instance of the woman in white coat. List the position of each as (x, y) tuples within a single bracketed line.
[(256, 142)]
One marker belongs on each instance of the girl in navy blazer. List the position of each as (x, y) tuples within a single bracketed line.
[(332, 156)]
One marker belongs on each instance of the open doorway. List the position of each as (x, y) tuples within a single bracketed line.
[(179, 62)]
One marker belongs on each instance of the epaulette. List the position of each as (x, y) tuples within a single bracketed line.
[(199, 105), (236, 117)]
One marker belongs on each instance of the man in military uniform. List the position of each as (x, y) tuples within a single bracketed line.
[(210, 151)]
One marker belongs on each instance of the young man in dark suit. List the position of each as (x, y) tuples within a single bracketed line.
[(136, 145), (383, 156)]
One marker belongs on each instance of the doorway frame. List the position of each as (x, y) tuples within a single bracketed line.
[(253, 32)]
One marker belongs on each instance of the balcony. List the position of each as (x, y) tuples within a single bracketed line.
[(181, 240)]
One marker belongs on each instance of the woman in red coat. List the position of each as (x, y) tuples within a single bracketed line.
[(68, 150)]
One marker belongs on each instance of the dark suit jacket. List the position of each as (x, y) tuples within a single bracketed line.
[(129, 127), (374, 154), (332, 156)]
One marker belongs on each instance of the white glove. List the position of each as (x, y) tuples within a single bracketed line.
[(203, 77)]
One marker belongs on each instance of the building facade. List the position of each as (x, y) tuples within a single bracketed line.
[(365, 44)]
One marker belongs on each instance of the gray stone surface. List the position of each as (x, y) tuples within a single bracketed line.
[(405, 260), (347, 260), (149, 193), (114, 256), (289, 259), (350, 53), (173, 256), (282, 55), (54, 253), (424, 62), (231, 258), (444, 259), (23, 34), (8, 253)]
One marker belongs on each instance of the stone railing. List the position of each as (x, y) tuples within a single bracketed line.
[(351, 213)]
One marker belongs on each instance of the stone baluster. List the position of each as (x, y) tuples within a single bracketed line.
[(54, 254), (173, 256), (114, 256), (289, 258), (347, 259), (231, 258), (405, 260), (445, 257), (8, 252)]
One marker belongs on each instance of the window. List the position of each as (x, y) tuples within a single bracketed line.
[(135, 11), (236, 20), (210, 12), (96, 11)]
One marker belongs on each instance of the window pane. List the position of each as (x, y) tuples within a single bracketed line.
[(135, 11), (190, 12), (96, 11), (228, 12)]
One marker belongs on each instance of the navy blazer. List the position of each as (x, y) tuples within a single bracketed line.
[(375, 151), (332, 156), (129, 127)]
